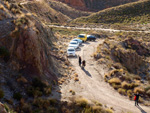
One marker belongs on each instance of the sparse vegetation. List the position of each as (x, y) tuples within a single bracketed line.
[(126, 57), (128, 13)]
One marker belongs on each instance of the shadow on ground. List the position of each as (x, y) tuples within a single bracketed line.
[(86, 72), (142, 111)]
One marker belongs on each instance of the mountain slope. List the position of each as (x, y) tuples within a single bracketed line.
[(138, 12), (95, 5), (66, 10), (46, 13)]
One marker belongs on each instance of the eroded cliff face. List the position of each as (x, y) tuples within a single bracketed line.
[(25, 43), (95, 5)]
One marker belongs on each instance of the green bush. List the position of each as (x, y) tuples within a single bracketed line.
[(17, 96), (37, 83), (52, 102), (4, 53)]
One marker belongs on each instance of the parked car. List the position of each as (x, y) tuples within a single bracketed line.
[(82, 37), (91, 38), (78, 40), (71, 51), (74, 44)]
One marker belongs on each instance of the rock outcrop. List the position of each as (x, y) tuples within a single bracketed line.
[(25, 43), (137, 46)]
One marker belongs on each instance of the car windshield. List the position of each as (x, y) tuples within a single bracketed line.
[(73, 42), (91, 36), (81, 36), (70, 49)]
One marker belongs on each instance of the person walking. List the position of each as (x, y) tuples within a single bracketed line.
[(80, 61), (136, 98), (83, 63)]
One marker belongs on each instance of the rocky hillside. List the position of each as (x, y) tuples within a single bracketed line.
[(46, 14), (28, 57), (95, 5), (27, 39), (67, 10), (137, 12), (127, 57)]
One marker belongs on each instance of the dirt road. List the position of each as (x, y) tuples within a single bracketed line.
[(97, 29), (92, 86)]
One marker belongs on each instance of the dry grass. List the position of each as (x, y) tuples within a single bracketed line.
[(125, 85), (139, 89), (122, 91), (82, 102), (22, 80), (76, 79), (129, 93), (115, 81), (2, 7)]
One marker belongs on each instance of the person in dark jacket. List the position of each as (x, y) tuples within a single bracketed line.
[(137, 98), (80, 61), (83, 63)]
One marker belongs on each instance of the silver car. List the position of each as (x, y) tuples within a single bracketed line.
[(71, 51), (74, 44)]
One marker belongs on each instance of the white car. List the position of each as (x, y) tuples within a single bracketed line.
[(78, 40), (71, 51), (74, 44)]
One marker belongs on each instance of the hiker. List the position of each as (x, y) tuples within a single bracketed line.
[(80, 60), (136, 98), (83, 63)]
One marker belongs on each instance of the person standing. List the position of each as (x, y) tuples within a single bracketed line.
[(80, 60), (136, 98), (83, 64)]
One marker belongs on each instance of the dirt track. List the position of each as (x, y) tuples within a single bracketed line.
[(92, 85)]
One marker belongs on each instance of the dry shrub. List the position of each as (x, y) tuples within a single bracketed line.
[(137, 77), (22, 79), (27, 108), (97, 109), (76, 75), (122, 91), (109, 111), (7, 5), (82, 102), (116, 86), (147, 88), (129, 93), (47, 91), (125, 85), (141, 100), (115, 81), (1, 7), (133, 85), (139, 89), (76, 79), (148, 93), (73, 93)]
